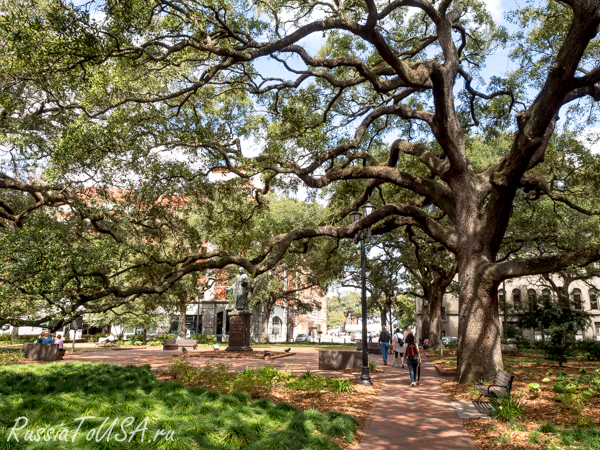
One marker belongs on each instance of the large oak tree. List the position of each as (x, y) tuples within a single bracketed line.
[(151, 96)]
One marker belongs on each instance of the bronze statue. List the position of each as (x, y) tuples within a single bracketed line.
[(240, 291)]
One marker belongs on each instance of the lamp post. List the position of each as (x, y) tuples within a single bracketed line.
[(361, 235)]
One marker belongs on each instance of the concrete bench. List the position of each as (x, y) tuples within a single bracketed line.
[(372, 347), (176, 344), (339, 359), (509, 348), (41, 352)]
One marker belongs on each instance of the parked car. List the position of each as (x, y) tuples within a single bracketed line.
[(357, 336), (450, 340), (304, 338)]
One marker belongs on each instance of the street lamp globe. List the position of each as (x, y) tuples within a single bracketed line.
[(355, 216), (368, 208)]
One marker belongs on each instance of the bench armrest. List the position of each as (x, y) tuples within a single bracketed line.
[(497, 385)]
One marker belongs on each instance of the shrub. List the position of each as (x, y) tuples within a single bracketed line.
[(507, 407), (522, 342), (207, 338), (559, 347), (342, 385), (590, 348), (10, 356), (253, 382)]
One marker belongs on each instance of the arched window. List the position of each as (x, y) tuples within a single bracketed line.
[(576, 293), (546, 297), (516, 294), (501, 297), (593, 299), (276, 330)]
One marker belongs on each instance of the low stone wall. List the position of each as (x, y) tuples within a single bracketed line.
[(372, 347), (339, 359), (41, 352)]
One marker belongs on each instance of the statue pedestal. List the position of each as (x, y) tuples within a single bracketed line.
[(239, 332)]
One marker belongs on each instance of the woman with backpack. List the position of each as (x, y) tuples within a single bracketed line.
[(412, 357), (398, 347)]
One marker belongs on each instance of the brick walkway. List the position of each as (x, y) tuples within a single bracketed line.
[(419, 418)]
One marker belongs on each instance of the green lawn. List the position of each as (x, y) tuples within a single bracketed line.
[(55, 397)]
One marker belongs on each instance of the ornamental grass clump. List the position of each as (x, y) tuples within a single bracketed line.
[(507, 408)]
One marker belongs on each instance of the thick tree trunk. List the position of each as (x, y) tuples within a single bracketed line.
[(479, 353), (435, 317), (435, 326), (383, 311), (14, 335), (264, 326), (182, 313), (425, 320)]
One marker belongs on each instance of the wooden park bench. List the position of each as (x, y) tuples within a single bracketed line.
[(105, 343), (502, 386)]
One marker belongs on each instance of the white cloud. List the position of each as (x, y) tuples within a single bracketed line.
[(495, 9)]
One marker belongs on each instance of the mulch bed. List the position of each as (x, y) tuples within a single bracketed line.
[(233, 355), (538, 408)]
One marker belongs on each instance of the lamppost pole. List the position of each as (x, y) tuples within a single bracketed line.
[(365, 377)]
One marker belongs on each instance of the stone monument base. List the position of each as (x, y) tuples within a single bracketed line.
[(239, 332)]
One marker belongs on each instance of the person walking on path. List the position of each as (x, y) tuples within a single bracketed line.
[(370, 337), (384, 342), (398, 346), (412, 357)]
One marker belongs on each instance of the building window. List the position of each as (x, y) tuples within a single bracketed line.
[(531, 297), (546, 298), (579, 336), (443, 333), (576, 298), (443, 313), (593, 300), (516, 294), (537, 335), (597, 324), (501, 297), (276, 330)]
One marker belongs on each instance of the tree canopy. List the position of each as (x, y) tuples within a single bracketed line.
[(144, 101)]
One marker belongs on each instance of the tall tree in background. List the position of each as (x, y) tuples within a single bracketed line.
[(431, 270), (341, 307), (151, 97)]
